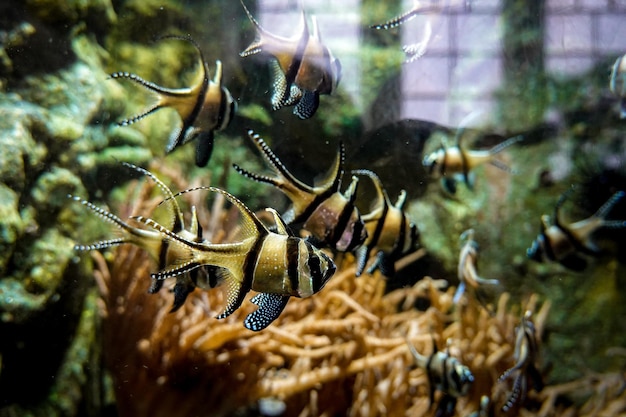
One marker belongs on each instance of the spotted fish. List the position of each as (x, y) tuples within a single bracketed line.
[(390, 231), (569, 243), (525, 355), (276, 265), (466, 270), (451, 163), (205, 107), (445, 373), (158, 246), (329, 215), (303, 67)]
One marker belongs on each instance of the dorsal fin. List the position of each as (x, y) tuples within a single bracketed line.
[(251, 223), (351, 192), (606, 207), (559, 203), (333, 178), (172, 206), (196, 227), (281, 226), (401, 201), (381, 194), (263, 36)]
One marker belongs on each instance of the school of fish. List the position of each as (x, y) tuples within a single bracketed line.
[(294, 256)]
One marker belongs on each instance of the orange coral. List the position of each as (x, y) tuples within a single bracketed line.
[(340, 352)]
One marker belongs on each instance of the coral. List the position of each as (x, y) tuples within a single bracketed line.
[(342, 351)]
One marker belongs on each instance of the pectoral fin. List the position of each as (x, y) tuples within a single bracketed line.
[(270, 307)]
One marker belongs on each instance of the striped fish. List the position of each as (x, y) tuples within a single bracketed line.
[(525, 355), (451, 163), (390, 232), (330, 216), (303, 67), (157, 246), (277, 265), (444, 373), (204, 107), (466, 270), (569, 243)]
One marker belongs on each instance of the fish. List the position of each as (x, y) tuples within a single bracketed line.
[(617, 83), (466, 270), (568, 244), (157, 246), (390, 231), (525, 356), (452, 163), (329, 215), (205, 107), (445, 373), (303, 67), (276, 265)]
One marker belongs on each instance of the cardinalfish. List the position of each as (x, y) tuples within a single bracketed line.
[(303, 67), (156, 244), (525, 356), (390, 231), (329, 215), (277, 265), (466, 270), (569, 243), (617, 83), (204, 108), (452, 163), (445, 373)]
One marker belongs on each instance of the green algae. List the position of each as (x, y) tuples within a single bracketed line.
[(11, 227)]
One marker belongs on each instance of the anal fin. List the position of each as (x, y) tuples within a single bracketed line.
[(235, 292), (308, 104), (270, 307)]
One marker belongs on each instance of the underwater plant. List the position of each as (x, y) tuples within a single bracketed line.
[(343, 351)]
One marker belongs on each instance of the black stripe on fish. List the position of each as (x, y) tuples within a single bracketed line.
[(379, 227), (314, 266), (293, 261), (398, 246), (431, 376), (293, 69)]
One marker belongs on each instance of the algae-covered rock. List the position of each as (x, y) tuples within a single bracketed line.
[(11, 227)]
